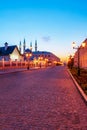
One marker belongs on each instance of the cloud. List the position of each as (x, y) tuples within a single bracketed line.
[(46, 38)]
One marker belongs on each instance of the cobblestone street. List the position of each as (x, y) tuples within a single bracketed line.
[(43, 99)]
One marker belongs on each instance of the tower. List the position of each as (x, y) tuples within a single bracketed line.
[(24, 45), (20, 46), (35, 45), (31, 46)]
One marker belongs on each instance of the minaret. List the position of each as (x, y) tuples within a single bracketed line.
[(35, 45), (24, 45), (20, 46), (31, 46)]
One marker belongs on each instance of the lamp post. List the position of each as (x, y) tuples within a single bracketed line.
[(40, 59), (46, 62), (28, 55), (78, 50)]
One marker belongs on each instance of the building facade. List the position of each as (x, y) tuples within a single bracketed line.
[(81, 57), (10, 53), (40, 58)]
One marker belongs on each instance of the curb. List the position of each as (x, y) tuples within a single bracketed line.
[(79, 88), (19, 70), (14, 71)]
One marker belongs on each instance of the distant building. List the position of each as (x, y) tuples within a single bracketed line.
[(27, 53), (10, 53), (44, 56), (40, 57), (82, 56)]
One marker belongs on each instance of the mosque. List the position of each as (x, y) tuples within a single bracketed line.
[(38, 57)]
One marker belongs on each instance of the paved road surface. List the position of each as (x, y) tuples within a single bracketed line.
[(44, 99)]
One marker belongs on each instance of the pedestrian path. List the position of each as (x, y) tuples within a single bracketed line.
[(45, 99), (6, 71)]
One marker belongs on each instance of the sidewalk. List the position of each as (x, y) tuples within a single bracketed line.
[(78, 88)]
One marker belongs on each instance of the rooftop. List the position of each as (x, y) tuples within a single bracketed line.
[(7, 51)]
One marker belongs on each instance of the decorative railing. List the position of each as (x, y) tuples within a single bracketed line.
[(14, 64)]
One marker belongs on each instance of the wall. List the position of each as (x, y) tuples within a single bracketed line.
[(16, 55)]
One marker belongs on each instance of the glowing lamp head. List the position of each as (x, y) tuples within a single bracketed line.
[(27, 55), (30, 54), (83, 44)]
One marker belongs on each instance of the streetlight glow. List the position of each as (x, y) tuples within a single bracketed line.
[(28, 55), (83, 44)]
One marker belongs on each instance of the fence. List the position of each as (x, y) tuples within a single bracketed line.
[(14, 64)]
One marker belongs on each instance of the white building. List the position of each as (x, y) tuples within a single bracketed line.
[(10, 53)]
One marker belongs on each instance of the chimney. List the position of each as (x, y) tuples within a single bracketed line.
[(6, 46)]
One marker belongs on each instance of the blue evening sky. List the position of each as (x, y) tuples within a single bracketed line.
[(55, 24)]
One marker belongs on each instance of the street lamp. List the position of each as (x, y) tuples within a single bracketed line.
[(78, 50), (40, 59), (28, 55), (46, 62)]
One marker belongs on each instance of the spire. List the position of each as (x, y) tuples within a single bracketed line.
[(31, 46), (20, 46), (35, 45), (24, 45)]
